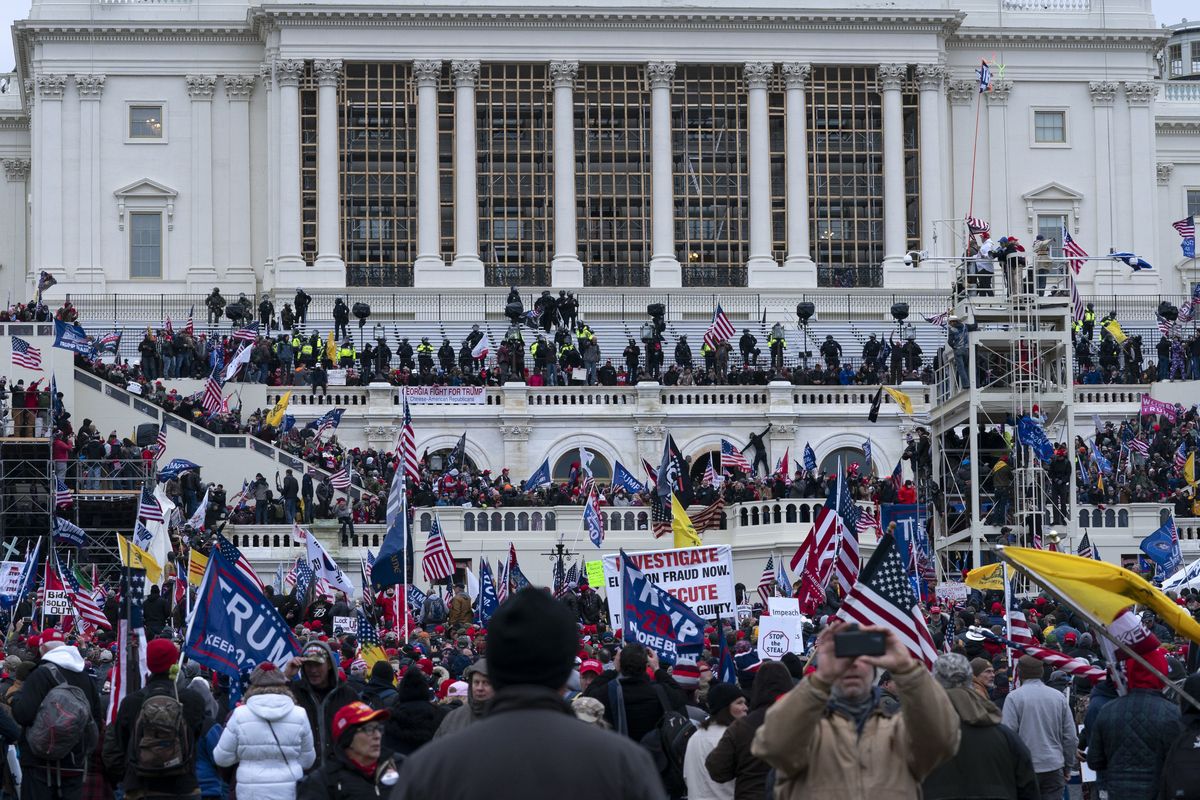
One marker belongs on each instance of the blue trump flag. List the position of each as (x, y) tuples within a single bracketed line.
[(174, 468), (388, 569), (654, 618), (810, 458), (73, 338), (25, 581), (234, 627), (1099, 459), (1162, 547), (1030, 433), (624, 478), (487, 594), (593, 523), (912, 543), (540, 477)]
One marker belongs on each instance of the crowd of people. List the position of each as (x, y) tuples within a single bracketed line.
[(1121, 358)]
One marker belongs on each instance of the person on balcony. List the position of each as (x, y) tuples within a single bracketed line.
[(301, 302), (215, 304)]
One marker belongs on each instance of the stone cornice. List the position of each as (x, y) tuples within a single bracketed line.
[(1150, 41), (1177, 127)]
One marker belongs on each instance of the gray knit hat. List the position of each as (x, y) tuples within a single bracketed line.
[(952, 671)]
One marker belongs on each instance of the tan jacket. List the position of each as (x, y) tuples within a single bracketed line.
[(818, 754), (460, 611)]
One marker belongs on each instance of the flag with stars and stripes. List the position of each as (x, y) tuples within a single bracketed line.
[(248, 333), (1077, 307), (437, 562), (212, 399), (190, 325), (1165, 325), (1186, 228), (341, 478), (63, 496), (129, 627), (160, 443), (883, 596), (766, 581), (26, 355), (942, 320), (866, 520), (720, 330), (1139, 446), (733, 458), (1181, 455), (1085, 549), (848, 515), (303, 580), (329, 420), (560, 578), (148, 507), (1074, 253), (573, 573), (84, 601), (408, 446), (368, 639), (234, 556), (976, 226)]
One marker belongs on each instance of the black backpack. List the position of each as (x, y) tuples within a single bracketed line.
[(667, 742), (1181, 768)]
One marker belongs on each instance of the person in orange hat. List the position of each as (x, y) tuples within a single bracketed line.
[(360, 767)]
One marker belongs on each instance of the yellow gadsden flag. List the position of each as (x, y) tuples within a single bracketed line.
[(331, 349), (1114, 327), (275, 416), (197, 564), (1102, 589), (984, 578), (681, 525), (134, 556), (1189, 469), (902, 400)]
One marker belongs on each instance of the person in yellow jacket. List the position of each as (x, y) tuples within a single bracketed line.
[(831, 739)]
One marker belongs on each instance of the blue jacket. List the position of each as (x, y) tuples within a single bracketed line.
[(207, 776), (1129, 743)]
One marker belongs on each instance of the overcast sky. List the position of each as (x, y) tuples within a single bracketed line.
[(1166, 11)]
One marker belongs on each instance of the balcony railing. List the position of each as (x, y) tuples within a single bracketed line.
[(1182, 91), (1047, 5)]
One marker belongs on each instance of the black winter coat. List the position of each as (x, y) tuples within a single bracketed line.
[(339, 780), (321, 706), (412, 724), (117, 738), (643, 709), (992, 763), (1129, 743), (26, 701)]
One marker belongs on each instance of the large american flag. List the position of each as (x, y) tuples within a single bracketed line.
[(437, 562), (704, 519), (848, 516), (84, 602), (190, 325), (230, 553), (976, 226), (866, 520), (883, 596), (62, 494), (129, 625), (408, 446), (213, 399), (1022, 639), (1164, 325), (818, 558), (160, 443), (26, 355), (720, 329), (766, 581), (1186, 227), (733, 458), (1074, 253), (1181, 455), (341, 478), (330, 419), (248, 333), (1077, 307), (148, 507)]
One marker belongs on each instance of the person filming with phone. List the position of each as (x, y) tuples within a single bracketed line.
[(831, 737)]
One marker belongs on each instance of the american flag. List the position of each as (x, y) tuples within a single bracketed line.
[(129, 621), (766, 581), (949, 633), (1023, 640), (866, 521), (62, 495), (85, 602), (1186, 227), (976, 226), (148, 507), (213, 398), (1085, 548), (109, 341), (848, 516), (660, 516), (330, 419), (160, 444), (1139, 446), (167, 326), (234, 556), (819, 558), (302, 579), (985, 77), (897, 476), (190, 325), (573, 573), (1164, 325), (1181, 455), (503, 579), (1074, 253), (720, 329), (733, 458), (26, 355), (942, 320), (1077, 307), (704, 519), (437, 562), (883, 596), (711, 476), (248, 333), (408, 446), (560, 578), (341, 478)]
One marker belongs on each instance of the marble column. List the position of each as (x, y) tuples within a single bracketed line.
[(428, 269), (1174, 282), (240, 272), (329, 222), (266, 72), (201, 271), (16, 253), (1139, 97), (1103, 94), (467, 269), (665, 271), (565, 269), (799, 266), (964, 94), (931, 81), (48, 178), (891, 77), (290, 268), (90, 89), (761, 269)]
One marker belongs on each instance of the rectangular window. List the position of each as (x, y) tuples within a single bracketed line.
[(1196, 58), (1050, 127), (145, 245), (1051, 226), (1193, 202), (1175, 57), (145, 122)]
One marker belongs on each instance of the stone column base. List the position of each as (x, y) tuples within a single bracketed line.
[(665, 273), (566, 272)]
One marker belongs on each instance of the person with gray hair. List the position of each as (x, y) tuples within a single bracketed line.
[(1042, 719), (991, 762)]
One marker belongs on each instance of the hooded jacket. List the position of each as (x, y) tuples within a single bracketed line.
[(269, 739), (321, 704), (468, 712), (991, 762), (117, 738), (414, 720), (28, 699)]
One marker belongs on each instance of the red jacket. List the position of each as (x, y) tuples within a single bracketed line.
[(907, 494)]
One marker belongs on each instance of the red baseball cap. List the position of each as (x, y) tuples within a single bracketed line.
[(591, 665), (52, 635), (355, 713)]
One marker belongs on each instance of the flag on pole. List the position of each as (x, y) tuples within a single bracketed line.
[(131, 635), (1077, 307), (985, 77), (593, 520), (160, 443), (238, 361), (1074, 253), (63, 496), (247, 334), (437, 562), (190, 325), (810, 458), (327, 421), (234, 556), (1162, 547), (977, 226), (389, 570), (341, 479), (148, 507), (540, 477), (84, 602), (481, 348), (720, 329), (26, 355), (681, 525), (766, 581), (1131, 260), (1186, 228), (623, 478), (902, 400), (408, 446), (733, 458)]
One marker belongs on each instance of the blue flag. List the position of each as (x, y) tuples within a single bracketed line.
[(912, 543), (487, 594), (389, 570), (174, 468), (593, 522), (68, 533), (654, 618), (73, 338), (25, 581), (289, 422), (727, 672), (810, 458), (1136, 262), (867, 457), (415, 597), (540, 477), (1162, 547), (624, 478), (1030, 433), (234, 627), (1099, 459)]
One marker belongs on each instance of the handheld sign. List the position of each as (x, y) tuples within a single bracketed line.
[(655, 619)]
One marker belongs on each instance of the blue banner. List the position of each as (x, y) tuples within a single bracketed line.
[(540, 477), (624, 478), (68, 533), (174, 468), (487, 595), (1162, 547), (234, 627), (73, 338), (810, 458), (26, 580), (912, 541), (654, 618), (1030, 433), (593, 523)]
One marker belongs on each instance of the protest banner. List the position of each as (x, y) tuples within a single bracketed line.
[(58, 601), (345, 625), (952, 592), (336, 377), (778, 636), (10, 577), (444, 395), (783, 606), (702, 577), (1150, 407), (595, 574)]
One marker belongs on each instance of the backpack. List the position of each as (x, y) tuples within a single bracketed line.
[(667, 742), (434, 611), (380, 699), (63, 724), (1181, 768), (161, 745)]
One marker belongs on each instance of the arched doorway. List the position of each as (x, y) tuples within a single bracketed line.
[(848, 456), (601, 469)]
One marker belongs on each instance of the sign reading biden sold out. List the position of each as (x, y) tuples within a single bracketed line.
[(701, 577)]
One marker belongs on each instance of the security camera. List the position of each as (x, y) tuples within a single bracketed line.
[(908, 259)]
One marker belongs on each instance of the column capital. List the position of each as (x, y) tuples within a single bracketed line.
[(266, 71), (465, 72), (238, 87), (891, 76), (1103, 92), (1162, 171), (660, 74), (962, 90), (931, 76), (998, 95), (51, 87), (17, 169), (90, 87), (758, 74), (328, 71), (426, 73), (1140, 93), (289, 72), (200, 87), (795, 75), (562, 74)]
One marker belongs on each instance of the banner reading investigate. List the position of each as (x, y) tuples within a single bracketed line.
[(701, 577)]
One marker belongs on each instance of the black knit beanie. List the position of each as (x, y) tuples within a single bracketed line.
[(532, 640)]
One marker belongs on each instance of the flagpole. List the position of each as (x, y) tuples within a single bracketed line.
[(1007, 613)]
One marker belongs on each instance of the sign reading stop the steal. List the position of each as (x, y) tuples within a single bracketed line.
[(778, 636)]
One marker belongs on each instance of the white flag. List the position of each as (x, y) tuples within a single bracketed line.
[(472, 585), (481, 348), (323, 566), (242, 357), (196, 522)]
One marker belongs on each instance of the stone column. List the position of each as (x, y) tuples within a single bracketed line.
[(240, 274), (761, 269), (1103, 93), (467, 269), (47, 180), (963, 94), (997, 119), (329, 245), (290, 269), (429, 268), (17, 253), (566, 269), (931, 80), (799, 266), (1139, 97), (266, 71), (1162, 172), (201, 272), (665, 271), (90, 89), (891, 76)]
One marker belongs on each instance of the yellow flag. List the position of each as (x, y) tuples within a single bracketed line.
[(984, 578), (331, 349), (134, 556), (1114, 327), (902, 400), (1189, 469), (371, 654), (681, 525), (276, 414), (999, 465), (1101, 588), (197, 563)]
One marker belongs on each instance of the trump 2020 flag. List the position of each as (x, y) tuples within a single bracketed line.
[(593, 521), (655, 618), (1162, 547), (488, 603), (1031, 434), (73, 338), (540, 477), (624, 478)]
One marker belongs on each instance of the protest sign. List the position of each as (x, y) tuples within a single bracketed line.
[(444, 395), (58, 601), (595, 573), (783, 606), (702, 577), (336, 377), (952, 592), (778, 636), (345, 625), (10, 577)]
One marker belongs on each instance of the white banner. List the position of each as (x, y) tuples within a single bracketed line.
[(336, 377), (952, 591), (58, 601), (701, 577), (345, 625), (779, 635), (444, 395), (10, 577)]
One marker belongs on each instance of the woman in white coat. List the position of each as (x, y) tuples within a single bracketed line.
[(268, 737), (725, 704)]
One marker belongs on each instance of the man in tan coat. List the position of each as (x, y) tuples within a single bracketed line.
[(460, 608), (830, 737)]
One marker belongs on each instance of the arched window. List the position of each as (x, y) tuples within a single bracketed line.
[(1110, 518), (1083, 517), (497, 521), (1097, 518), (754, 516), (468, 522), (629, 521), (438, 461), (614, 521), (536, 521), (790, 513), (551, 521), (483, 522), (1123, 518), (601, 469), (523, 521), (510, 521), (775, 516), (848, 456)]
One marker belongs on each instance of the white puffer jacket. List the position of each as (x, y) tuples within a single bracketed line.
[(267, 770)]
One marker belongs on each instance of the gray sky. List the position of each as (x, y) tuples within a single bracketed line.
[(1166, 11)]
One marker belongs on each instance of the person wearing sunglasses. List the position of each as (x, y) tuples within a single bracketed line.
[(360, 767)]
